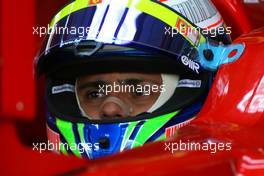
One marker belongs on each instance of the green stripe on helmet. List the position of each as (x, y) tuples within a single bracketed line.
[(80, 127), (81, 133), (128, 132), (63, 149), (150, 127), (64, 127)]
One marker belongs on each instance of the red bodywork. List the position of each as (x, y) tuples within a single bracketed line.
[(232, 113)]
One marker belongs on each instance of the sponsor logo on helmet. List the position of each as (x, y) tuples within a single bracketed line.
[(190, 83), (92, 2), (190, 63), (188, 31), (62, 88)]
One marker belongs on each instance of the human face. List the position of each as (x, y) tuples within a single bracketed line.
[(136, 94)]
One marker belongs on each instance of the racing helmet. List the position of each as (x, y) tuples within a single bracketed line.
[(177, 38)]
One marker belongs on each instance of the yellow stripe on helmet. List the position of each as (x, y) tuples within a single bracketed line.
[(149, 7), (73, 7), (169, 17)]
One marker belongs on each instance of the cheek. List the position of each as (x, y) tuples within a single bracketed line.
[(138, 109), (143, 105), (90, 110)]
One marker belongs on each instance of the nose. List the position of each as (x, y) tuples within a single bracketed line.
[(111, 110)]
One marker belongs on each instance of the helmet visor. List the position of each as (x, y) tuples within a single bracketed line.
[(134, 27)]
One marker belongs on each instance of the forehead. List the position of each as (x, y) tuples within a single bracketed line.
[(121, 76)]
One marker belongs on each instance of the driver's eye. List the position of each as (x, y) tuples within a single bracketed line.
[(90, 95), (142, 90), (142, 93)]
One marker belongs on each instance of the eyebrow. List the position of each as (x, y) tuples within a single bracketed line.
[(93, 84), (131, 81), (135, 81)]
